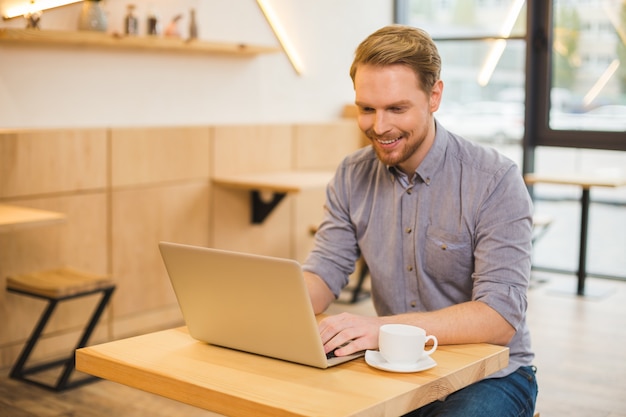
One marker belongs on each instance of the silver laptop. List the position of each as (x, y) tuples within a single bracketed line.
[(252, 303)]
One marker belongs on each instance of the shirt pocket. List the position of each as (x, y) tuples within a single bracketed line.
[(448, 256)]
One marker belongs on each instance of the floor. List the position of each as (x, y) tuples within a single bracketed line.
[(579, 344)]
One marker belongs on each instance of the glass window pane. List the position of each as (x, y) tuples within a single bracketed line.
[(485, 108), (469, 18), (588, 90), (606, 242), (483, 78)]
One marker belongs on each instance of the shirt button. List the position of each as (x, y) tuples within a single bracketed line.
[(427, 180), (408, 191), (409, 230), (413, 304), (409, 268), (444, 246)]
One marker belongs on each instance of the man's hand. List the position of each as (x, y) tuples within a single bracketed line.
[(359, 332)]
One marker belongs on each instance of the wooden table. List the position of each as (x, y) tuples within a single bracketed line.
[(16, 217), (172, 364), (585, 182)]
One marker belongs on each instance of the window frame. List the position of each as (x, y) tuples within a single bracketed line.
[(538, 70), (537, 131)]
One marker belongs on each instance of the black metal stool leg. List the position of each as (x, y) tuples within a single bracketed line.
[(70, 364), (18, 371)]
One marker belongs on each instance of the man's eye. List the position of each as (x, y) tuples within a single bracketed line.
[(397, 109), (366, 109)]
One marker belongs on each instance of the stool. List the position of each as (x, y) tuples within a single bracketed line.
[(55, 286)]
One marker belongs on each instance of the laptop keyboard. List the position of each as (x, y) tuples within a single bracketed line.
[(331, 354)]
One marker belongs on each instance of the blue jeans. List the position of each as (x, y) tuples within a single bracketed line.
[(511, 396)]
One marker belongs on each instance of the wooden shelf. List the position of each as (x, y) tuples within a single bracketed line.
[(86, 39)]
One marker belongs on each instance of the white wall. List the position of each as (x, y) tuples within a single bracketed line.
[(73, 87)]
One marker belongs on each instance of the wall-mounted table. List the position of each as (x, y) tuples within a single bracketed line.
[(586, 182), (17, 217), (276, 185)]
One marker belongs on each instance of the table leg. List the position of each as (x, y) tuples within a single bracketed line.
[(582, 256)]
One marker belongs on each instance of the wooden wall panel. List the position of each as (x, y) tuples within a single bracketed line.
[(160, 191), (251, 149), (246, 150), (149, 155), (308, 212), (323, 146), (84, 241), (141, 217), (233, 230), (52, 161)]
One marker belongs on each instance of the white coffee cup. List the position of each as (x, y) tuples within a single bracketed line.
[(403, 343)]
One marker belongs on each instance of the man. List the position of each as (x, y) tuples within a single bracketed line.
[(443, 224)]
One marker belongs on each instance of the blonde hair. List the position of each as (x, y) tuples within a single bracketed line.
[(401, 45)]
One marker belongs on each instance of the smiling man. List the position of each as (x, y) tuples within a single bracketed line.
[(443, 224)]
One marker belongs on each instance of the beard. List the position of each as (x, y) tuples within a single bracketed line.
[(399, 154)]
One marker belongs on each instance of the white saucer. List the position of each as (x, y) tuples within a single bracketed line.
[(375, 359)]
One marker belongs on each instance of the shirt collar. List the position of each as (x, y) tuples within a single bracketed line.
[(433, 159)]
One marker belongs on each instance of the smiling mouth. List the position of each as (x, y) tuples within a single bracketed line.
[(389, 141)]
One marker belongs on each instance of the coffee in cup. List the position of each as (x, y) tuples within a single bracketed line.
[(403, 343)]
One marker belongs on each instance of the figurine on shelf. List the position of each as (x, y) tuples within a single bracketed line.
[(33, 16), (171, 30), (32, 20), (92, 17), (193, 27), (153, 24), (131, 24)]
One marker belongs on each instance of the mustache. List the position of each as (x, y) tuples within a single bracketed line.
[(370, 134)]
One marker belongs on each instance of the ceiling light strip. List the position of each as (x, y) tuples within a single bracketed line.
[(281, 35), (29, 7), (498, 47)]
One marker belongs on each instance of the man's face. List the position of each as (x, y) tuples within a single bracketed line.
[(396, 114)]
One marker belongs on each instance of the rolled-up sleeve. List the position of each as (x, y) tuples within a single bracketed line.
[(502, 253)]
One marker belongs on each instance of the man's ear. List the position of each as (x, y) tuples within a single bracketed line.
[(435, 96)]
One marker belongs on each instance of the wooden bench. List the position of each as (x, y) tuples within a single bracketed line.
[(55, 286)]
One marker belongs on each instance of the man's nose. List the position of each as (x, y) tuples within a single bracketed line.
[(381, 123)]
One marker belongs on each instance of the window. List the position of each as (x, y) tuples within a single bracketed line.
[(580, 63), (553, 98), (483, 48), (579, 126)]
